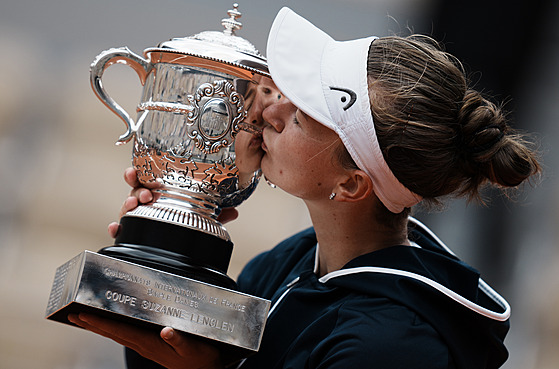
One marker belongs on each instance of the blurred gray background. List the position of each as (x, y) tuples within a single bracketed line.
[(61, 173)]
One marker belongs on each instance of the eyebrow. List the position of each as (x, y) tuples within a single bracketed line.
[(303, 114)]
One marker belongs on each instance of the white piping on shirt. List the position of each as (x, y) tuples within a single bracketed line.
[(446, 291), (289, 287), (439, 287)]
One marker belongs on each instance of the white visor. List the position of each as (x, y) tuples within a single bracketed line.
[(327, 80)]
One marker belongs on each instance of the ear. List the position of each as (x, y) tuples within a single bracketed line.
[(354, 187)]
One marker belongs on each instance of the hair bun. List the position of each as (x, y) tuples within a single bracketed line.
[(489, 148), (483, 126)]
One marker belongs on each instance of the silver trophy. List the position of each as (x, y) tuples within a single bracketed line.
[(197, 145)]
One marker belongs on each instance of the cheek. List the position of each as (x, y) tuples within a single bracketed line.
[(299, 173), (282, 167), (290, 160)]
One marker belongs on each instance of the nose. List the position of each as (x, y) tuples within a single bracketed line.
[(278, 113)]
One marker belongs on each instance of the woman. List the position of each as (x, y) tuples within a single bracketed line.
[(368, 129)]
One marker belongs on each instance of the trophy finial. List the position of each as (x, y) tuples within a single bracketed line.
[(231, 24)]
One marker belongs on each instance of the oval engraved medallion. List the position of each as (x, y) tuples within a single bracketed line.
[(214, 121), (217, 110)]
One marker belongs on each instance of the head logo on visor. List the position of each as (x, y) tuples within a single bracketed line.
[(352, 96)]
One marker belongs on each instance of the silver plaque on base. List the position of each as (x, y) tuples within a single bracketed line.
[(114, 288)]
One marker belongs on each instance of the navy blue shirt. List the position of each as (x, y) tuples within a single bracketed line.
[(366, 316), (399, 307)]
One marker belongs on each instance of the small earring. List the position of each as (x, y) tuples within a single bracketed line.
[(332, 195)]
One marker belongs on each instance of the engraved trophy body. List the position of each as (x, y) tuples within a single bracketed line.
[(196, 145)]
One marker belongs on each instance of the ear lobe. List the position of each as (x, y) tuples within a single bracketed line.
[(356, 187)]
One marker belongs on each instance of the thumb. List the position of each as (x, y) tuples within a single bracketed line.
[(201, 354), (179, 342), (168, 334)]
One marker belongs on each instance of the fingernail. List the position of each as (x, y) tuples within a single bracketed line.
[(167, 333), (148, 196)]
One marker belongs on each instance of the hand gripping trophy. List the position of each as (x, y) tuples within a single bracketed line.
[(196, 143)]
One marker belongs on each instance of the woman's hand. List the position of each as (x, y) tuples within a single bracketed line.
[(169, 348), (142, 195), (138, 195)]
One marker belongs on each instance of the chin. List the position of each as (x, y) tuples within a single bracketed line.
[(267, 173)]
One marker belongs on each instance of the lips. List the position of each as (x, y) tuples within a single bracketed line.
[(263, 143), (255, 141), (264, 146)]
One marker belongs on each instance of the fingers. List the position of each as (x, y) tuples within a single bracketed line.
[(146, 343), (142, 194), (169, 348), (173, 338), (114, 229), (181, 344), (131, 178), (121, 333), (201, 354), (138, 195), (130, 203), (228, 215)]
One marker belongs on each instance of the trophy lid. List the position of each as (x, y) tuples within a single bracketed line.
[(221, 47)]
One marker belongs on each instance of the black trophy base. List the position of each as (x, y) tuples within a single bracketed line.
[(174, 249)]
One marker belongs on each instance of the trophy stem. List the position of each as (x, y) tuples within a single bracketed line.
[(174, 249)]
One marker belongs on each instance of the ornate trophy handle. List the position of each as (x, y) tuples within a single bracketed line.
[(121, 55)]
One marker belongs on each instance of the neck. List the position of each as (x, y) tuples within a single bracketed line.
[(346, 230)]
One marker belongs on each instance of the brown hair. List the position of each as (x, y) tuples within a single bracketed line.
[(438, 136)]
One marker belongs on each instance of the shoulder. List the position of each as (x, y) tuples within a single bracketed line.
[(378, 333)]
